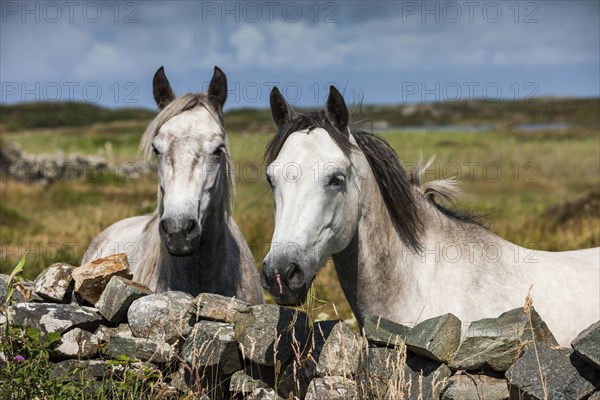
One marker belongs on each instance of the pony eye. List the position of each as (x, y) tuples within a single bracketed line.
[(155, 150), (269, 180), (336, 181), (220, 150)]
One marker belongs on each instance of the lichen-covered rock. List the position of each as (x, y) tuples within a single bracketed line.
[(436, 338), (565, 375), (47, 317), (212, 344), (161, 316), (334, 349), (270, 335), (331, 387), (250, 379), (475, 387), (383, 332), (104, 333), (215, 307), (497, 343), (376, 369), (587, 345), (76, 343), (78, 370), (391, 373), (92, 277), (55, 283), (139, 349), (24, 291), (118, 296)]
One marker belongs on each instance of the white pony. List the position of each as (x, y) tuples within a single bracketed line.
[(397, 252), (190, 243)]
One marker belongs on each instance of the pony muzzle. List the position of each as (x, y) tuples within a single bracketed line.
[(286, 282), (180, 236)]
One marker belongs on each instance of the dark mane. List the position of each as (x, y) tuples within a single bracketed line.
[(310, 121), (395, 184)]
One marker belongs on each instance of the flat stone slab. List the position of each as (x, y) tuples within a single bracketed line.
[(497, 343), (212, 344), (137, 348), (383, 332), (92, 277), (475, 387), (161, 316), (436, 338), (215, 307), (76, 343), (50, 317), (118, 296), (55, 283), (269, 334), (566, 376), (331, 387), (587, 345)]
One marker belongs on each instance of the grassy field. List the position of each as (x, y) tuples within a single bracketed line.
[(539, 189)]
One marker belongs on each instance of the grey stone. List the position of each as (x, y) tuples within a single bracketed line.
[(118, 296), (47, 317), (217, 308), (376, 369), (383, 332), (475, 387), (595, 396), (263, 394), (55, 283), (161, 316), (389, 373), (587, 344), (251, 378), (334, 349), (76, 343), (270, 335), (138, 348), (566, 376), (436, 338), (78, 370), (92, 277), (426, 378), (497, 343), (212, 344), (104, 333), (24, 291), (331, 387)]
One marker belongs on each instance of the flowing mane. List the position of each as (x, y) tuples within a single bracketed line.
[(186, 102), (395, 184)]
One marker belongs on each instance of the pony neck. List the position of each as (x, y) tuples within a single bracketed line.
[(371, 259)]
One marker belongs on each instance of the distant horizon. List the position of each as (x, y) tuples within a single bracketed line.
[(250, 107)]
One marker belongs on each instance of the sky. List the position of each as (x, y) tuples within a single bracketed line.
[(377, 52)]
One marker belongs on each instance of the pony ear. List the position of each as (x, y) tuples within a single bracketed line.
[(161, 88), (217, 90), (336, 110), (280, 109)]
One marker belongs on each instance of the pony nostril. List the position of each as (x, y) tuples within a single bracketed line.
[(163, 226), (191, 227), (294, 274)]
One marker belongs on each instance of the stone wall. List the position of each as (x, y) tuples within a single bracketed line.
[(214, 347)]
